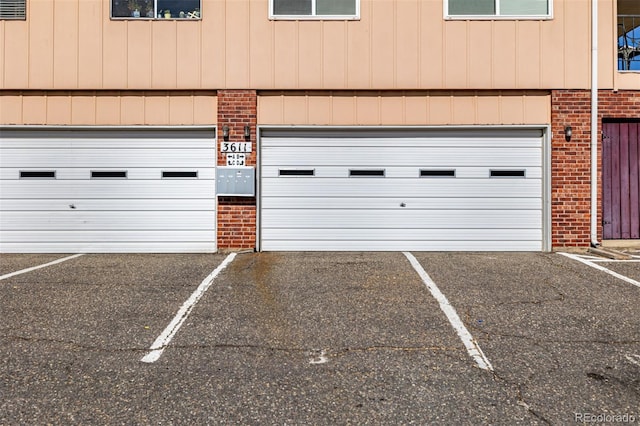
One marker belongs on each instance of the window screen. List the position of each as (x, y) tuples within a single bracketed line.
[(498, 7), (310, 8)]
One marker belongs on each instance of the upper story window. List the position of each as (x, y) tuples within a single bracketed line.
[(156, 9), (13, 9), (628, 35), (314, 9), (501, 9)]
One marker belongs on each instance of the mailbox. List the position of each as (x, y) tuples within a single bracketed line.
[(236, 181)]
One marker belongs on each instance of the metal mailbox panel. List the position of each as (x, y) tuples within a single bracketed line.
[(237, 181)]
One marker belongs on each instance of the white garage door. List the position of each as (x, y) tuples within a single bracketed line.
[(430, 190), (149, 190)]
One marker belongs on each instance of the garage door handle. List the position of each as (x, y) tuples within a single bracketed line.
[(403, 205), (72, 206)]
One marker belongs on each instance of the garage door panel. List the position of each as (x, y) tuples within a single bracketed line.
[(79, 173), (401, 245), (108, 158), (411, 203), (497, 140), (381, 187), (393, 156), (111, 247), (142, 210), (107, 188), (407, 234), (491, 197), (65, 204), (76, 235), (107, 220), (399, 218), (412, 172)]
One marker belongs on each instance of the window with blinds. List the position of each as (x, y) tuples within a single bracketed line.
[(13, 9)]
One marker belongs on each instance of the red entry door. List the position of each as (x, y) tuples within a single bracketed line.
[(621, 180)]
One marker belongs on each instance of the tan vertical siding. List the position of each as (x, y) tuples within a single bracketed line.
[(396, 44), (404, 108), (108, 108)]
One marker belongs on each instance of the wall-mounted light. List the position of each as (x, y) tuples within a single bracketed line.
[(568, 132), (247, 132), (225, 133)]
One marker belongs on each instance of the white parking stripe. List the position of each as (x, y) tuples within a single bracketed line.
[(44, 265), (602, 268), (164, 339), (469, 342)]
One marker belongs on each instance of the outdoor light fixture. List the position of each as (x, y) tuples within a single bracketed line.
[(247, 132), (568, 132), (225, 133)]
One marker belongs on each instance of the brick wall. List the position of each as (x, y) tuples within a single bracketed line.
[(571, 160), (237, 215)]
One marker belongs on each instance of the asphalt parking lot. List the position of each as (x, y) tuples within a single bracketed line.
[(318, 338)]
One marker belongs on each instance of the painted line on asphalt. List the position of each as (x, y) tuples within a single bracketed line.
[(163, 340), (44, 265), (469, 342), (601, 268)]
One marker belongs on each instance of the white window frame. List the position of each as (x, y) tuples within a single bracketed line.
[(313, 17), (497, 16)]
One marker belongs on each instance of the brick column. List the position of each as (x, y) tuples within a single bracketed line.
[(236, 224), (570, 168)]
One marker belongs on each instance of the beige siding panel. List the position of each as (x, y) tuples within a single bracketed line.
[(455, 54), (296, 109), (416, 110), (480, 42), (261, 47), (10, 109), (237, 26), (132, 109), (405, 108), (2, 42), (367, 109), (391, 109), (140, 40), (343, 109), (90, 65), (432, 45), (59, 109), (488, 109), (286, 54), (359, 50), (83, 109), (407, 45), (108, 109), (310, 58), (440, 105), (607, 60), (334, 53), (383, 34), (156, 109), (504, 49), (205, 108), (65, 45), (213, 44), (319, 110), (16, 50), (165, 57), (528, 54), (189, 48), (114, 54), (577, 42), (41, 37), (464, 109), (181, 109), (553, 55), (34, 109), (628, 81)]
